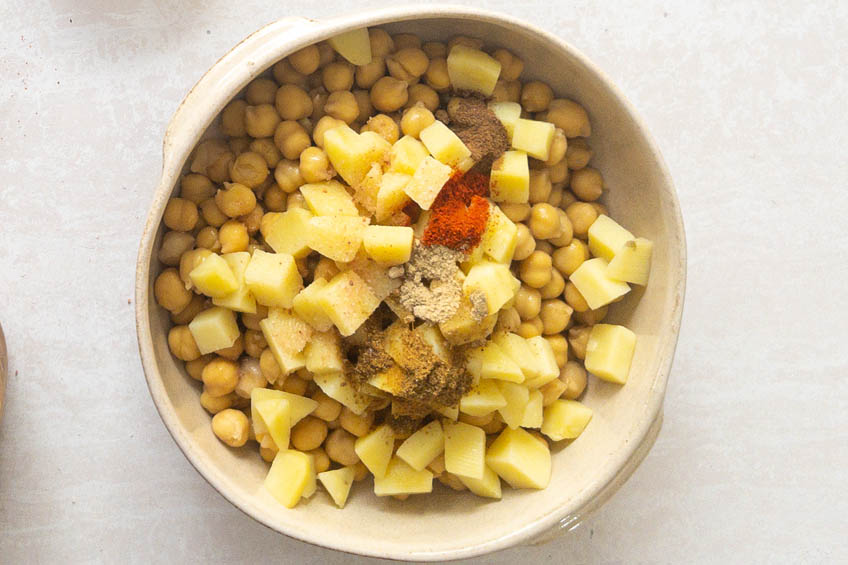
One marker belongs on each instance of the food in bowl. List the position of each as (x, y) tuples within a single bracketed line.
[(417, 291)]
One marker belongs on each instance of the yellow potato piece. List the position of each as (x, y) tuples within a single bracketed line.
[(533, 412), (606, 237), (337, 387), (289, 476), (406, 155), (350, 153), (593, 282), (543, 353), (213, 329), (375, 449), (517, 348), (275, 414), (419, 449), (308, 306), (299, 407), (388, 245), (483, 398), (463, 328), (338, 483), (517, 396), (348, 301), (508, 113), (609, 352), (240, 300), (336, 237), (520, 459), (328, 198), (510, 178), (465, 449), (491, 362), (500, 236), (565, 419), (324, 353), (273, 278), (391, 196), (214, 277), (494, 280), (444, 144), (632, 262), (427, 182), (472, 69), (286, 335), (353, 45), (400, 478), (488, 487), (533, 137), (286, 232)]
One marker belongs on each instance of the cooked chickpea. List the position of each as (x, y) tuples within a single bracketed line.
[(207, 155), (339, 448), (196, 305), (315, 166), (188, 262), (170, 292), (220, 377), (544, 221), (174, 244), (407, 64), (251, 321), (254, 344), (269, 367), (180, 214), (253, 220), (582, 216), (325, 269), (570, 116), (306, 60), (513, 90), (559, 146), (551, 391), (556, 196), (296, 200), (435, 49), (363, 103), (239, 145), (578, 337), (406, 40), (324, 124), (536, 96), (528, 330), (181, 343), (415, 119), (337, 76), (587, 184), (235, 200), (591, 317), (528, 302), (291, 139), (295, 385), (478, 421), (568, 197), (389, 94), (367, 75), (231, 427), (195, 368), (342, 105), (525, 244), (567, 259), (232, 118), (318, 96), (381, 42), (508, 320), (234, 351), (600, 208), (437, 76), (215, 404), (544, 247), (574, 376), (288, 177), (233, 237), (511, 66), (358, 425), (212, 214), (268, 452), (267, 149), (320, 460), (284, 73), (328, 409), (535, 270), (249, 169), (553, 288), (559, 174), (196, 188), (560, 347), (540, 186), (578, 153), (384, 126), (275, 198), (422, 95), (566, 230), (292, 103), (574, 298), (515, 212), (555, 315), (471, 42), (261, 120), (308, 434)]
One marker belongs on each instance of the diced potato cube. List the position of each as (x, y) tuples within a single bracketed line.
[(427, 182), (510, 178), (500, 237), (606, 237), (286, 335), (449, 412), (275, 414), (348, 301), (491, 362), (463, 328), (299, 407), (365, 194), (338, 483), (533, 412), (351, 154), (533, 137), (375, 449), (508, 113), (290, 473), (240, 300), (419, 449), (472, 69), (544, 355), (375, 275), (609, 352), (465, 449), (406, 155), (565, 419), (336, 237), (517, 348), (273, 278), (391, 196), (484, 398), (213, 329), (517, 396), (307, 305), (388, 245), (337, 387), (324, 353), (488, 487), (520, 459), (444, 144), (328, 198), (632, 262), (592, 281), (391, 380), (494, 280), (214, 277), (400, 478), (431, 336), (377, 147), (286, 232), (311, 482), (353, 45)]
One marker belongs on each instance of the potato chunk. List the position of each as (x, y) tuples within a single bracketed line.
[(375, 449), (286, 335), (533, 412), (348, 301), (463, 328), (565, 419), (520, 459), (606, 237), (593, 282), (508, 113), (308, 306), (353, 45), (500, 237), (290, 473), (632, 262), (472, 69), (338, 483), (286, 232), (543, 353), (337, 387), (406, 155), (427, 182), (400, 478), (510, 178), (336, 237), (465, 449), (214, 277), (388, 245), (444, 144), (391, 196), (328, 198), (609, 352), (275, 414), (494, 280), (517, 396), (533, 137), (419, 449), (488, 487), (241, 299), (491, 362), (324, 353), (484, 398), (273, 278), (213, 329)]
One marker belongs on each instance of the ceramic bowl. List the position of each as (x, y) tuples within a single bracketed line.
[(445, 524)]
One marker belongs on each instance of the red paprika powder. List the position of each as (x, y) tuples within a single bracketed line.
[(458, 215)]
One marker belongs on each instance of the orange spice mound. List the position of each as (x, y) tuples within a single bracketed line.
[(459, 214)]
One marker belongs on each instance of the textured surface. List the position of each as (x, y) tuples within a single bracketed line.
[(747, 104)]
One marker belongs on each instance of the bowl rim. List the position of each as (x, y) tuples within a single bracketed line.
[(312, 31)]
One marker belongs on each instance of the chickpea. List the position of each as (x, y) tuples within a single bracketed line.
[(536, 96), (326, 54), (234, 351), (540, 186), (528, 302), (528, 330), (261, 120), (559, 146), (261, 91), (320, 460), (559, 174), (315, 166), (219, 170), (249, 169), (570, 116), (582, 216), (406, 40), (269, 367), (437, 76), (407, 64), (324, 124), (366, 75), (339, 448), (181, 343), (296, 200), (195, 368), (501, 93), (180, 214), (415, 119), (337, 76), (235, 200), (511, 66), (309, 434), (174, 244), (268, 452), (284, 73), (384, 126), (290, 138), (212, 214), (435, 49), (232, 119), (295, 385), (318, 96), (591, 317), (239, 145), (343, 106), (513, 89), (288, 177), (306, 60), (265, 147), (544, 221), (587, 184), (556, 196), (515, 212), (253, 219), (363, 103), (188, 262), (328, 409), (553, 288), (220, 377), (231, 427), (508, 320), (275, 198), (574, 376), (170, 292), (544, 247), (196, 188), (358, 425), (215, 404), (325, 269), (568, 198), (555, 315), (567, 259), (525, 243), (560, 347), (389, 94), (552, 391), (574, 298), (196, 305), (421, 94), (578, 336), (233, 237), (254, 344), (578, 153), (535, 270), (600, 208), (251, 321), (292, 103), (566, 230), (381, 42), (207, 154)]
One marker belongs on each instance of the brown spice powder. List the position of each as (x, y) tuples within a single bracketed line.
[(479, 128)]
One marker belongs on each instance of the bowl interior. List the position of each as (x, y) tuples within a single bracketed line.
[(447, 524)]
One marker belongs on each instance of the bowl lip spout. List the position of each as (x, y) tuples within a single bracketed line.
[(232, 72)]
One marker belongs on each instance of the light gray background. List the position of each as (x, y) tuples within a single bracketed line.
[(747, 102)]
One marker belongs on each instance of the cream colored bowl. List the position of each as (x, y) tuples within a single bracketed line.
[(445, 524)]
